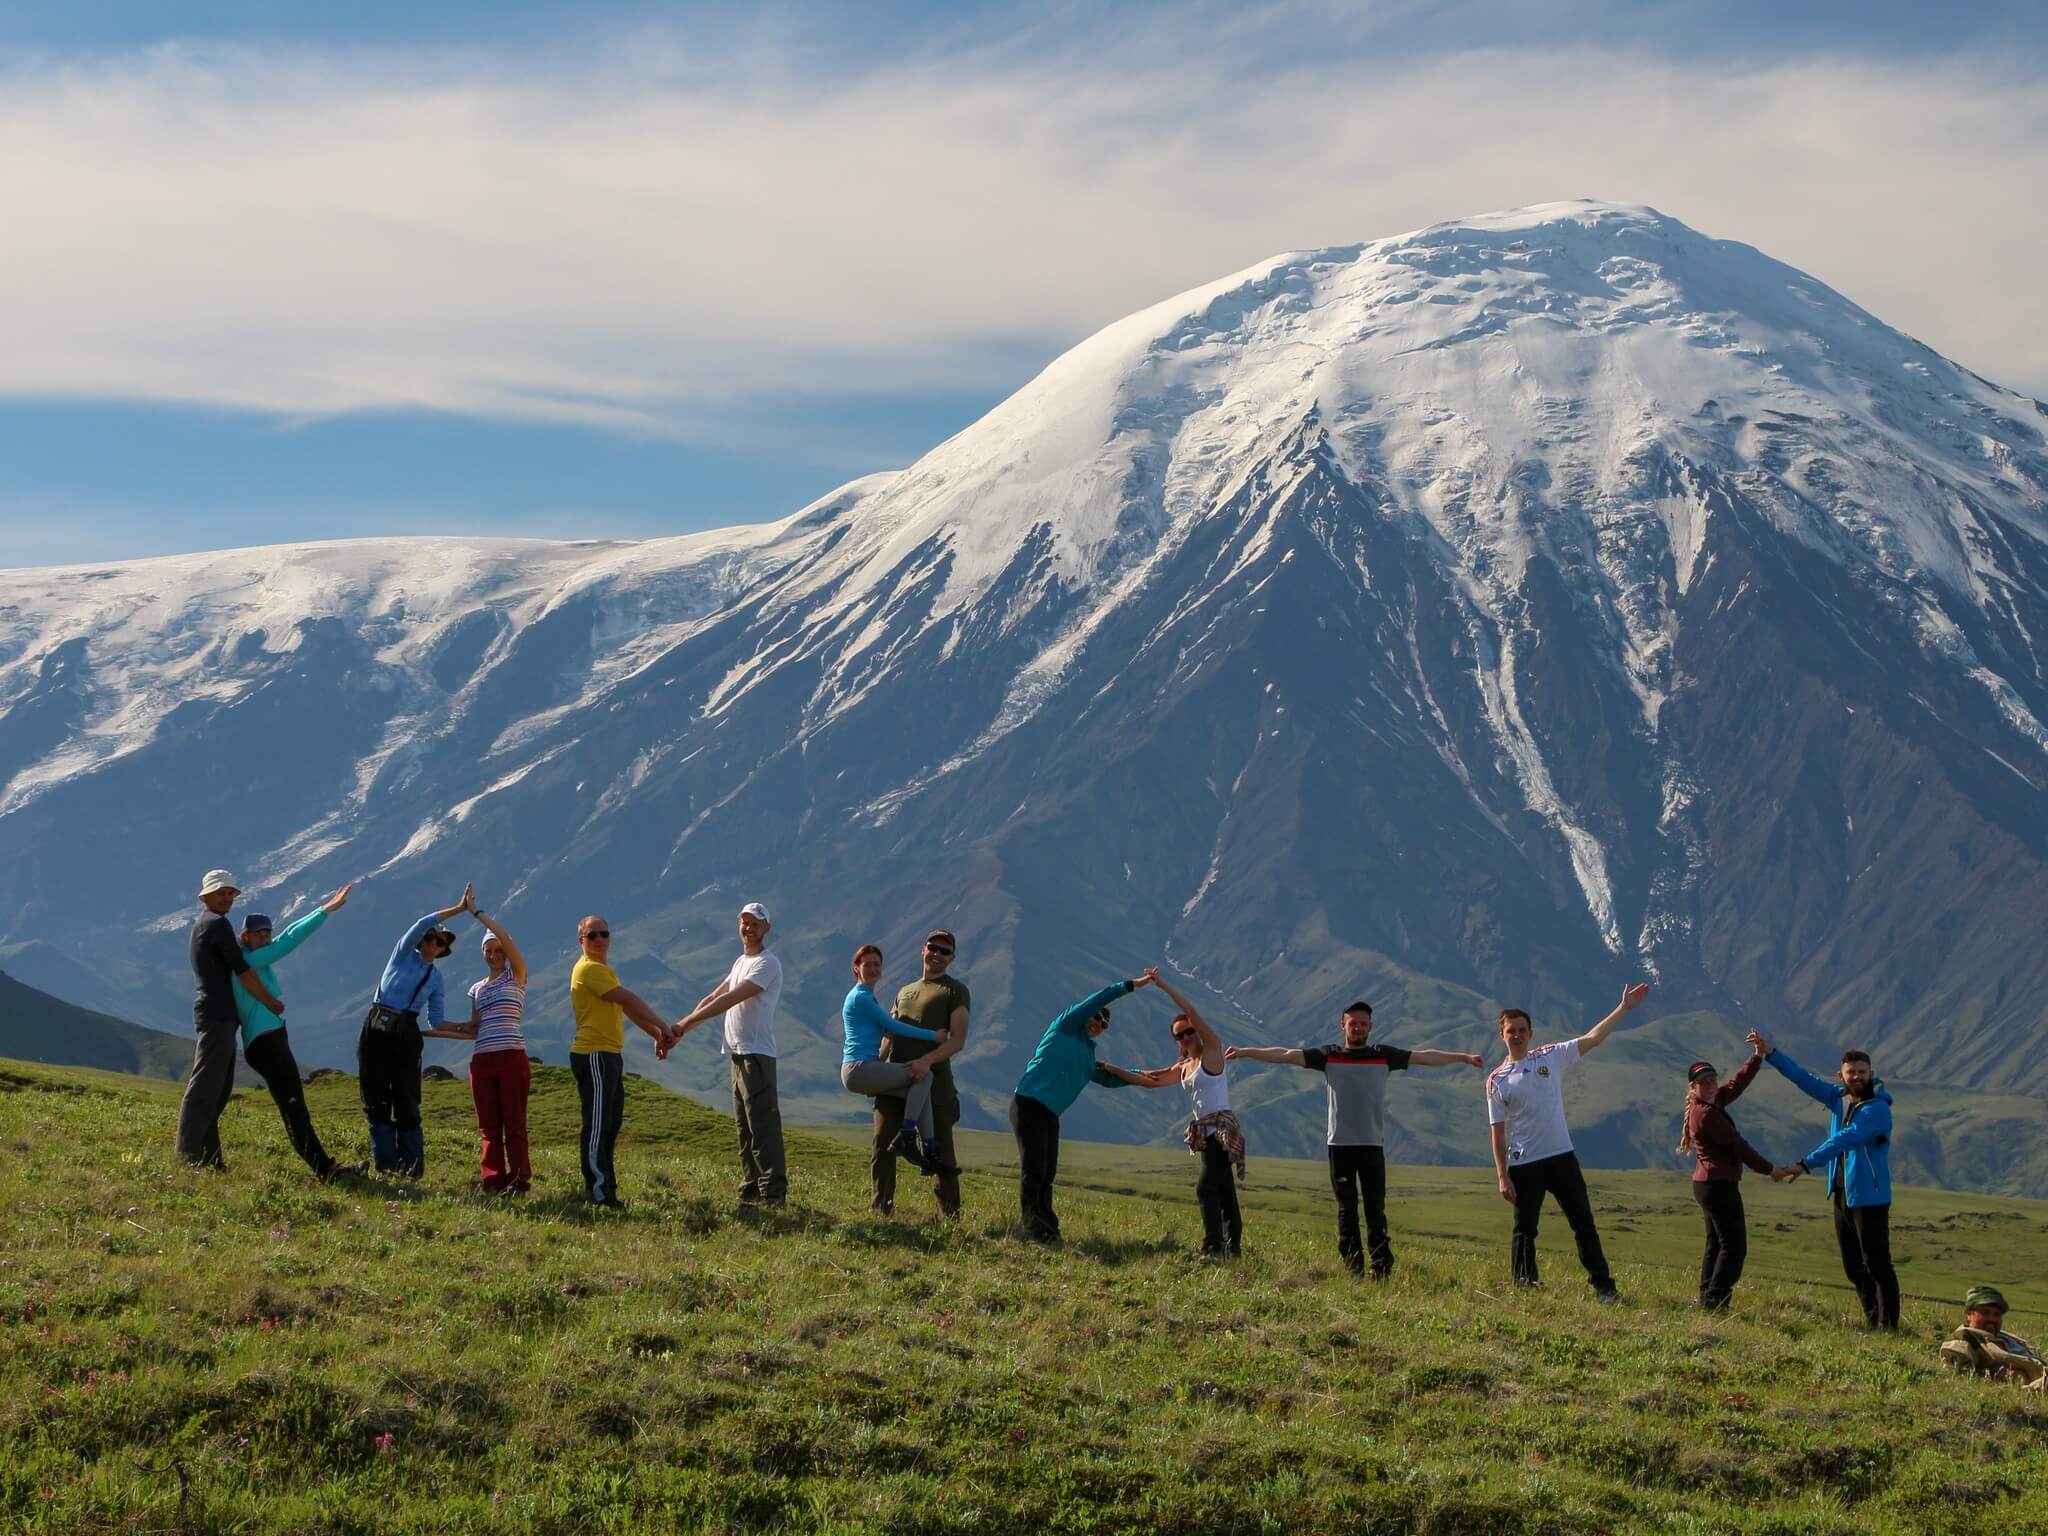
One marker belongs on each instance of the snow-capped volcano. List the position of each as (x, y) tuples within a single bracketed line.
[(1479, 614)]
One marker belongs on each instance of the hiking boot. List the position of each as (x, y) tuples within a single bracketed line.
[(335, 1170), (1607, 1298), (910, 1149)]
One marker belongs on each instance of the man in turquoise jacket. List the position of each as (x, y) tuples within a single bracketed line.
[(1060, 1068), (1857, 1154), (265, 1045)]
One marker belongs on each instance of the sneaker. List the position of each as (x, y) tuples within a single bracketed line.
[(335, 1170), (1607, 1298), (935, 1161)]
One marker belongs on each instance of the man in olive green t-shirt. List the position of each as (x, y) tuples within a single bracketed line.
[(939, 1003)]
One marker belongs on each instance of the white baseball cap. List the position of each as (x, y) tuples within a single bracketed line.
[(218, 880), (755, 909)]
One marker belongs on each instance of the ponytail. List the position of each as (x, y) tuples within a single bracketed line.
[(1685, 1142)]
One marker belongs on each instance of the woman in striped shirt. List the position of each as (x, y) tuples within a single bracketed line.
[(499, 1074)]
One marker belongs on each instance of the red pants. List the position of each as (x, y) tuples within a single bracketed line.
[(499, 1081)]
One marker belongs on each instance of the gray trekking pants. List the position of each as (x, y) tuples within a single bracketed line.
[(873, 1077), (757, 1112)]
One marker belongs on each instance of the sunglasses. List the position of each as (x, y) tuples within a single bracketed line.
[(938, 949), (597, 933), (1183, 1034)]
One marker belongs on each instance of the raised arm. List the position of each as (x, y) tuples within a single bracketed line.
[(467, 904), (1435, 1058), (1813, 1087), (514, 960), (1212, 1043), (295, 934), (1631, 999), (1277, 1055), (1075, 1019)]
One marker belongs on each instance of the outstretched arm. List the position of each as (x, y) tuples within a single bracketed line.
[(1871, 1123), (718, 1002), (1278, 1055), (1631, 999), (1157, 1077), (1212, 1044), (1432, 1058), (639, 1013)]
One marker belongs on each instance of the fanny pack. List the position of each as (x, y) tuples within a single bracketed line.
[(382, 1019)]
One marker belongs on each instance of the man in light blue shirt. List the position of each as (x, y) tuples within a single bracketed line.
[(388, 1052)]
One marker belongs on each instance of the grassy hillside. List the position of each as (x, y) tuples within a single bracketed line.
[(34, 1026), (251, 1351)]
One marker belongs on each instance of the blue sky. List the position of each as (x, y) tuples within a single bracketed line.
[(298, 271)]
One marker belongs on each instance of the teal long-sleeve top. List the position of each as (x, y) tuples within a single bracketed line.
[(1064, 1062), (866, 1022), (257, 1019)]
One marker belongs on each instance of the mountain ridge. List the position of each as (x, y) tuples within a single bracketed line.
[(1483, 614)]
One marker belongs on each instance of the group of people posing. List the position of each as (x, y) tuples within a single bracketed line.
[(902, 1056)]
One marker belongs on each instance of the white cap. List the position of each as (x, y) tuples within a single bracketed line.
[(755, 909), (218, 880)]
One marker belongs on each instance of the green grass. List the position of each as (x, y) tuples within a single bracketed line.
[(253, 1352)]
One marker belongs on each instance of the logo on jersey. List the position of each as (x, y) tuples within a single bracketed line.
[(1543, 1071)]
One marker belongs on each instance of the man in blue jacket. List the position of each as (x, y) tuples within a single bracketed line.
[(388, 1050), (1060, 1068), (1857, 1154)]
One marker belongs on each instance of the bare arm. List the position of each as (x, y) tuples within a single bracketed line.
[(1500, 1162), (1212, 1043), (950, 1042), (1631, 999), (718, 1002), (1434, 1058), (1278, 1055), (1156, 1077), (452, 1031), (639, 1012), (514, 961)]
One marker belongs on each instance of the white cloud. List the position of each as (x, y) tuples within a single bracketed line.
[(307, 234)]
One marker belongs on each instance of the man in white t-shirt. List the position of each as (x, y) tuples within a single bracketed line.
[(1532, 1145), (748, 997)]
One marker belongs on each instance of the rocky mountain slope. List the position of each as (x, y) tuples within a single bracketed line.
[(1485, 614)]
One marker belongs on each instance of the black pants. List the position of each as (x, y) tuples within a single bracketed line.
[(1216, 1192), (1360, 1174), (1864, 1234), (601, 1093), (1720, 1202), (1559, 1176), (1038, 1164), (270, 1054), (388, 1073), (207, 1092)]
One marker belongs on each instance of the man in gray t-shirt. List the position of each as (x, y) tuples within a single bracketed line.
[(1355, 1076)]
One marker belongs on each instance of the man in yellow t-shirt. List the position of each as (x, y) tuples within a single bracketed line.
[(597, 1054)]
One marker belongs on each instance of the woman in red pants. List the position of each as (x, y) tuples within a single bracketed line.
[(499, 1073)]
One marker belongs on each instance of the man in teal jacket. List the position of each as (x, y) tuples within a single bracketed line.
[(1857, 1154), (265, 1045), (1060, 1068)]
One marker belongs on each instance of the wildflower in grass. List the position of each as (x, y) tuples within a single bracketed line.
[(385, 1442)]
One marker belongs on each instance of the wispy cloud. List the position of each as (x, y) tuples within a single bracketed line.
[(642, 241)]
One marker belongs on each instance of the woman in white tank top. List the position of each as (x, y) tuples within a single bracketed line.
[(1212, 1133)]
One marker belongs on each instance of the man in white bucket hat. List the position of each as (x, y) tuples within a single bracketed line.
[(217, 959)]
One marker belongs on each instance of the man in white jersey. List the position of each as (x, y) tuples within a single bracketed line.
[(1532, 1146), (748, 997)]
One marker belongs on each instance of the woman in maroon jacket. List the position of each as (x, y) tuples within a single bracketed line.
[(1720, 1151)]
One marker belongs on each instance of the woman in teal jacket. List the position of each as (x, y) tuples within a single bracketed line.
[(1857, 1154), (265, 1045)]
